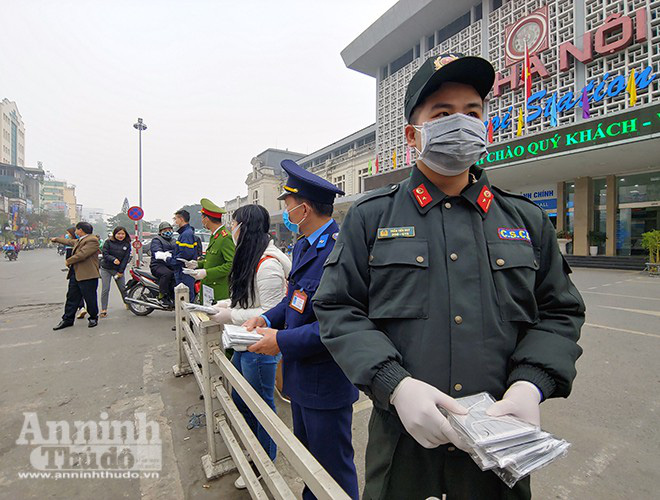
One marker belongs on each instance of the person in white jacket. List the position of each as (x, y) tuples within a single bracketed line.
[(257, 283)]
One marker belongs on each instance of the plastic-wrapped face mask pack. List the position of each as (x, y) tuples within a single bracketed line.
[(510, 447)]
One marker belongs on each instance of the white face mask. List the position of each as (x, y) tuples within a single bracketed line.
[(235, 233), (452, 144)]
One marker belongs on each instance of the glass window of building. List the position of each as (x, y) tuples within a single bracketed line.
[(401, 61), (569, 189), (340, 182), (600, 193), (639, 188), (638, 211)]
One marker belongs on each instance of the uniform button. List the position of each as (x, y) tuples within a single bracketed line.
[(458, 387), (451, 448), (536, 263), (500, 262), (420, 259), (458, 320), (447, 205), (453, 256), (371, 258)]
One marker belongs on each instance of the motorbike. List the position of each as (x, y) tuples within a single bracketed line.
[(141, 294), (11, 255), (61, 250)]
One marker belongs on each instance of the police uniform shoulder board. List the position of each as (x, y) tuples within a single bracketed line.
[(379, 193)]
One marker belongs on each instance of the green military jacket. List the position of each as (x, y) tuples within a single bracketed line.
[(217, 263), (468, 293)]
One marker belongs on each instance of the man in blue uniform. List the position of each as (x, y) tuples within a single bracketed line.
[(321, 395), (186, 248)]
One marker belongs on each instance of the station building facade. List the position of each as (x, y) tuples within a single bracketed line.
[(594, 166)]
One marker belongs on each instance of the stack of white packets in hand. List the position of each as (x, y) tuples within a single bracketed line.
[(510, 447)]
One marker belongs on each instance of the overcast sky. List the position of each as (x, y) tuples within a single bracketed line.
[(216, 82)]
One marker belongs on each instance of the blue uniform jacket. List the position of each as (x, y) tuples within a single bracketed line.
[(186, 245), (311, 377)]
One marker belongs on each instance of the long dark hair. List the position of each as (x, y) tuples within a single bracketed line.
[(72, 232), (252, 241), (121, 228)]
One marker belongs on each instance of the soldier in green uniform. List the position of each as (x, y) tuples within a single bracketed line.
[(456, 287), (213, 270)]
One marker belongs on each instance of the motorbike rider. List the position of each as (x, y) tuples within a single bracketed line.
[(10, 251), (163, 246)]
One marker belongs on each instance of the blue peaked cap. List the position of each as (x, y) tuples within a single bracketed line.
[(307, 185)]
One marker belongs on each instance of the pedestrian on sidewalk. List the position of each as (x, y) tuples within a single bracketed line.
[(116, 255), (71, 236), (83, 275), (257, 283)]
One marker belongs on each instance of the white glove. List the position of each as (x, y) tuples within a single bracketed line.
[(161, 255), (198, 275), (191, 264), (223, 317), (521, 400), (417, 404), (222, 304)]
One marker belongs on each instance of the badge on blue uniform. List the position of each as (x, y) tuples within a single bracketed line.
[(323, 241)]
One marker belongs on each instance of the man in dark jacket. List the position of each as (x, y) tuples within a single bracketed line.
[(163, 270), (444, 286), (185, 249), (321, 396), (83, 275)]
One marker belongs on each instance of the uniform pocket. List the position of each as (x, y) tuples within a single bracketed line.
[(514, 267), (399, 279)]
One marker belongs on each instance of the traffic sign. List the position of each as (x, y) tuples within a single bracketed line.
[(135, 213), (137, 244)]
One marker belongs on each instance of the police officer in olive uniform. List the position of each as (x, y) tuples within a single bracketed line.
[(213, 270), (443, 286)]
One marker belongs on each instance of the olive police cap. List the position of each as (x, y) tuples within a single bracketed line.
[(210, 209)]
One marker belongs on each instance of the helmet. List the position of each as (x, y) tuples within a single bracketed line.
[(164, 225)]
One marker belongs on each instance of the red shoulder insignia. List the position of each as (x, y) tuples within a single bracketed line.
[(422, 196), (485, 199)]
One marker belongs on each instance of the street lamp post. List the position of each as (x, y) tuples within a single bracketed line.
[(140, 126)]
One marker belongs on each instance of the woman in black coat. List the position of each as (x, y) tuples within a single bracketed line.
[(116, 254)]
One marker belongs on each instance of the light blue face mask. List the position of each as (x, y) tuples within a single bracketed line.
[(67, 236), (291, 226), (167, 234)]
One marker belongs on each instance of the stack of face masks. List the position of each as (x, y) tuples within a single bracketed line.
[(238, 338), (510, 447)]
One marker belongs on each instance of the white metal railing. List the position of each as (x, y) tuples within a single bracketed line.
[(200, 352)]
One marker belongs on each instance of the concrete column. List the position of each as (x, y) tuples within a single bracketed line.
[(611, 206), (485, 26), (561, 206), (583, 214)]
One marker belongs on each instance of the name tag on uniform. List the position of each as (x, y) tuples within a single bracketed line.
[(298, 301), (396, 232), (511, 234)]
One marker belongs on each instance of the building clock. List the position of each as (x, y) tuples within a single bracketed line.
[(531, 31)]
